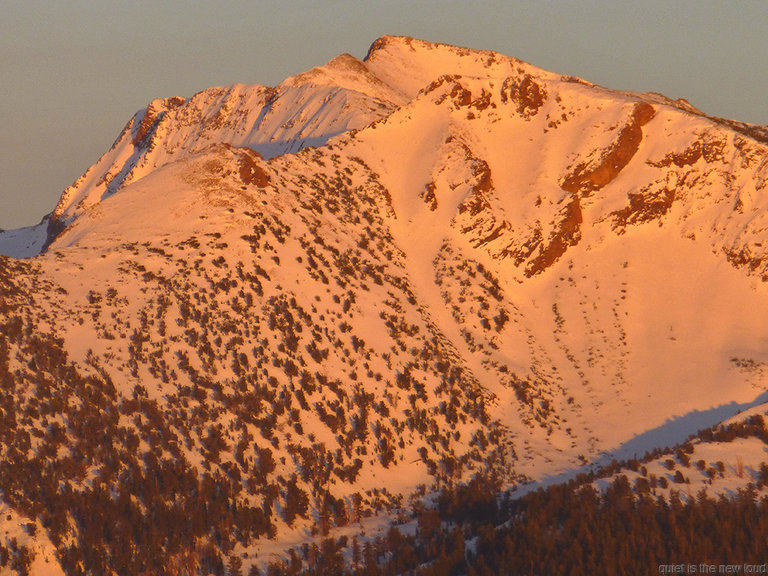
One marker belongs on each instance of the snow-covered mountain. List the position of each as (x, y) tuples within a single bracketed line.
[(305, 110), (376, 279)]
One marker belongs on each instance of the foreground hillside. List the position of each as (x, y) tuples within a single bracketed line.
[(635, 517), (267, 315)]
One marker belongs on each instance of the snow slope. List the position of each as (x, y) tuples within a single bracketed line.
[(24, 242), (594, 214), (385, 276)]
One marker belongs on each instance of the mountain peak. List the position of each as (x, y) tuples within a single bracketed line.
[(390, 42), (309, 108), (384, 41), (442, 264), (412, 64)]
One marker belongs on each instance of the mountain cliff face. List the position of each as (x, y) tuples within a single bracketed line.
[(271, 311)]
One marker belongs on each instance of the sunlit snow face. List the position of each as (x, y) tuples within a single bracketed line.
[(442, 263)]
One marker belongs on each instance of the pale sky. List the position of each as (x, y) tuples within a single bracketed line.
[(73, 73)]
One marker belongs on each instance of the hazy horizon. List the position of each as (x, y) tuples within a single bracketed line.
[(75, 73)]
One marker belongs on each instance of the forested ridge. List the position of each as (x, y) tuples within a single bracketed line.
[(568, 529)]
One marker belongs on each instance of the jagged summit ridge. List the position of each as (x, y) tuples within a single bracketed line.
[(304, 110)]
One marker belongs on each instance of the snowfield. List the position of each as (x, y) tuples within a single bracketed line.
[(331, 297)]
